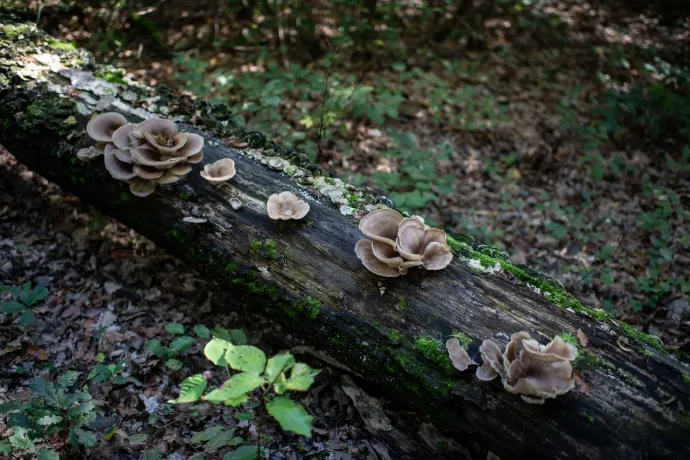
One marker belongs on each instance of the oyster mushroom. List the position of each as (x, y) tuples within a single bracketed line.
[(403, 243), (92, 152), (286, 206), (101, 127), (533, 371), (461, 360), (221, 171)]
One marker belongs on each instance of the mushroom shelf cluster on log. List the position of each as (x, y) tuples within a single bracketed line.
[(142, 154)]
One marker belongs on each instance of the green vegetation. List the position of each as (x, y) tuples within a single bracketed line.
[(433, 350), (178, 344), (55, 409), (22, 298), (258, 380), (266, 249)]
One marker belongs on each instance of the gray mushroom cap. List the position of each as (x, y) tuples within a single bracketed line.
[(461, 360), (381, 225), (101, 127), (365, 253), (118, 169), (220, 171), (286, 206)]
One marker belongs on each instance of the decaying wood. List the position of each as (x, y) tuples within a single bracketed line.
[(317, 287)]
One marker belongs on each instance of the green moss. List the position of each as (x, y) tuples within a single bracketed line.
[(124, 197), (266, 249), (308, 306), (431, 349), (568, 337), (464, 339), (641, 337), (184, 196), (686, 378), (230, 268), (174, 235), (395, 336), (402, 304), (60, 45), (308, 224)]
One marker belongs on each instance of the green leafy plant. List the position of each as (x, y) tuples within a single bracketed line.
[(22, 297), (56, 408), (254, 380), (102, 372), (178, 344)]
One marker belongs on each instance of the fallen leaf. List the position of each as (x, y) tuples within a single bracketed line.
[(623, 343), (38, 353), (582, 338), (580, 383)]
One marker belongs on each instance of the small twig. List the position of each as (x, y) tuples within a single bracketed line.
[(324, 98), (600, 263)]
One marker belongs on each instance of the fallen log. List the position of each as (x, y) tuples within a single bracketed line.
[(389, 331)]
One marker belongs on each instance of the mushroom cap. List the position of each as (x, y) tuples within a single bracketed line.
[(365, 253), (149, 157), (181, 169), (118, 169), (196, 158), (493, 361), (461, 360), (286, 206), (221, 171), (414, 238), (168, 178), (142, 187), (192, 146), (155, 126), (92, 152), (121, 136), (381, 225), (101, 127), (538, 372), (387, 254), (436, 256), (147, 172)]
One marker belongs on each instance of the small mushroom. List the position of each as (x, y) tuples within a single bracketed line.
[(221, 171), (403, 243), (493, 361), (276, 163), (381, 225), (461, 360), (142, 187), (101, 127), (286, 206), (195, 220), (118, 169), (92, 152), (365, 253), (235, 203)]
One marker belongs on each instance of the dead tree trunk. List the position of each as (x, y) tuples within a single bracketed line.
[(381, 329)]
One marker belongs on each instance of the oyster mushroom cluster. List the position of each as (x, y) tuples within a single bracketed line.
[(142, 154), (526, 368), (398, 243)]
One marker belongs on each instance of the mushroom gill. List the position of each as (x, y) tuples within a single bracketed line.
[(461, 360), (101, 127)]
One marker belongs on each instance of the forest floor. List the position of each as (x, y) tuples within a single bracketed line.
[(110, 291), (564, 141)]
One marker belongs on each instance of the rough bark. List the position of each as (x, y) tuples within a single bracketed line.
[(315, 285)]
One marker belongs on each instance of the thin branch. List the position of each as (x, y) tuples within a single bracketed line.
[(600, 263)]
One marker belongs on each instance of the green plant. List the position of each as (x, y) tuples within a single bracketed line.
[(178, 344), (21, 299), (55, 409), (102, 372), (253, 379)]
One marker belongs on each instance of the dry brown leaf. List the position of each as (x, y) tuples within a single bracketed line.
[(38, 353), (580, 383), (582, 338)]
